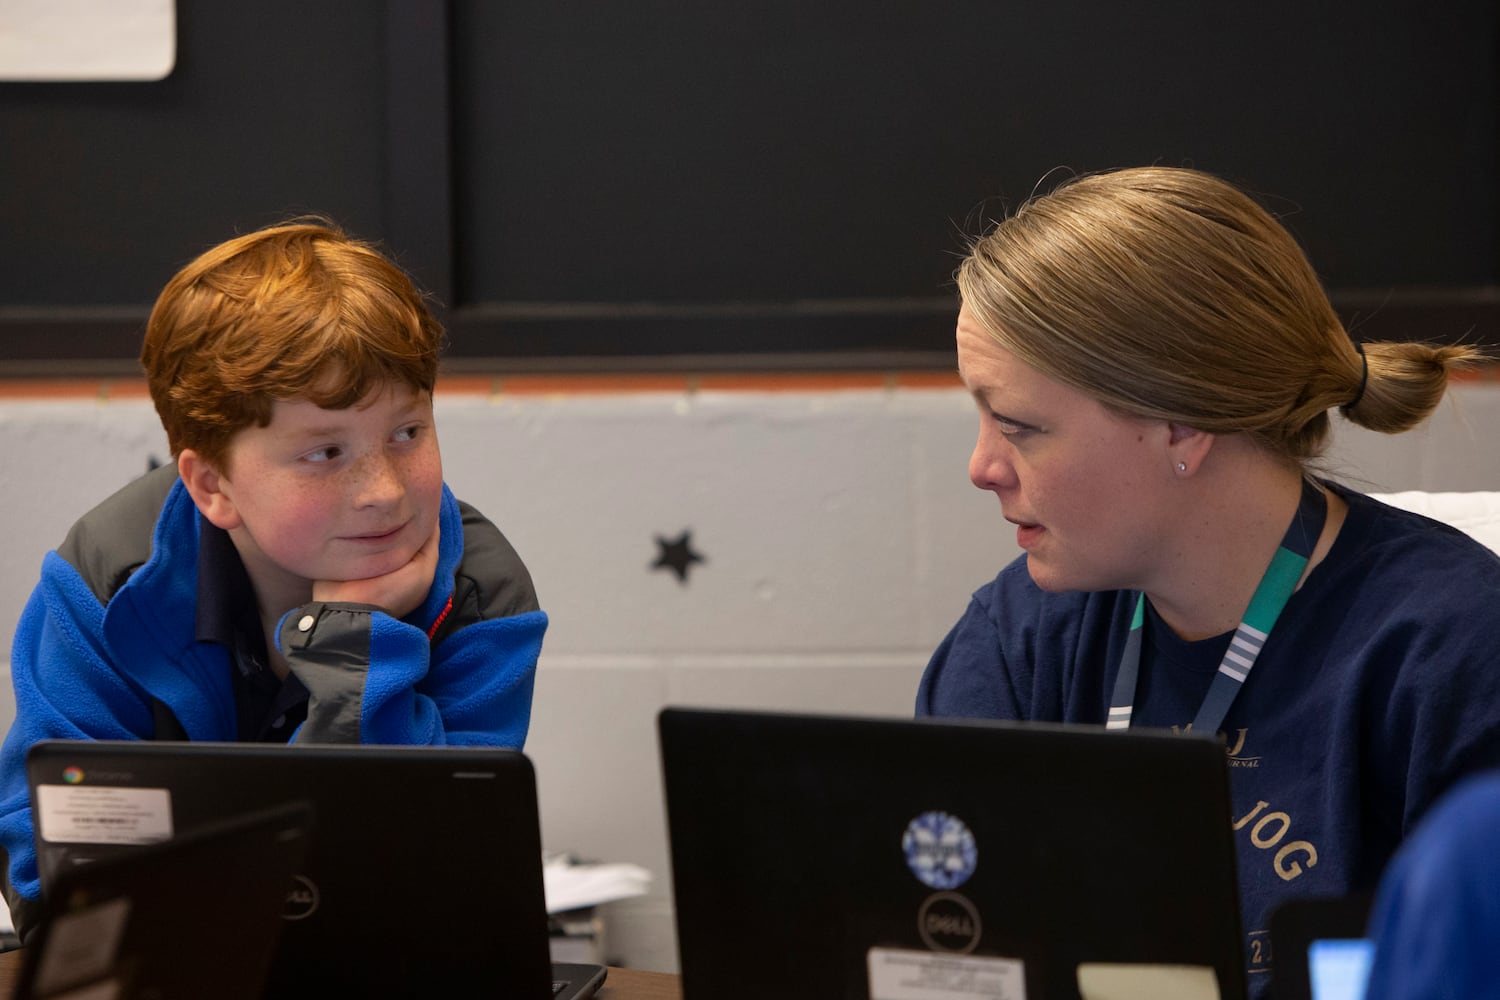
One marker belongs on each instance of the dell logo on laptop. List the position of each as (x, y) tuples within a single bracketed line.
[(947, 921), (302, 899)]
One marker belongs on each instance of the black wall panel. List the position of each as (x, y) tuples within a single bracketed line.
[(668, 182)]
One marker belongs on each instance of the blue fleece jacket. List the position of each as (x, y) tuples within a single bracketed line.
[(1436, 921)]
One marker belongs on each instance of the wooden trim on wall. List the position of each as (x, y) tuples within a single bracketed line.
[(50, 343)]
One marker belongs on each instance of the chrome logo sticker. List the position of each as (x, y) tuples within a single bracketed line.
[(72, 775), (940, 850)]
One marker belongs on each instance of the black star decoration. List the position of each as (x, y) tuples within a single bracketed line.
[(677, 555)]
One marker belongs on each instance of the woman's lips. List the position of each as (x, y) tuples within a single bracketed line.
[(1027, 534)]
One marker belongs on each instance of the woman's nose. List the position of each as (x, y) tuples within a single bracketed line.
[(991, 466)]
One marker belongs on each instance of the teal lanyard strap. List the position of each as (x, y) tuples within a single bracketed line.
[(1271, 596)]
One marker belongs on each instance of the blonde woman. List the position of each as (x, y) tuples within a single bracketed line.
[(1154, 362)]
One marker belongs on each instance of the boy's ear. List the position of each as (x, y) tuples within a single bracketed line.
[(204, 485)]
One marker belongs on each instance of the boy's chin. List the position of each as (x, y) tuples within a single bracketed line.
[(373, 567)]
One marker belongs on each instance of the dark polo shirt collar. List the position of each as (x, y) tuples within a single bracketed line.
[(268, 710)]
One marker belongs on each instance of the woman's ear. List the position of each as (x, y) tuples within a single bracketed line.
[(205, 485), (1187, 447)]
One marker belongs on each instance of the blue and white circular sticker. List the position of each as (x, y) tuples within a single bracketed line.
[(940, 850)]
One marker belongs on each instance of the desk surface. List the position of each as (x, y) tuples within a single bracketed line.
[(622, 984), (634, 984)]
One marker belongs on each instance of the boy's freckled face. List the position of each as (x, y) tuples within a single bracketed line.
[(336, 494)]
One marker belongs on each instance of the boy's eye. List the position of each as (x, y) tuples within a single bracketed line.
[(321, 455), (408, 433)]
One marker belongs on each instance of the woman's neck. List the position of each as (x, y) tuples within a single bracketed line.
[(1235, 520)]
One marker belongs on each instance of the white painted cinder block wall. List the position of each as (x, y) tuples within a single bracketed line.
[(840, 532)]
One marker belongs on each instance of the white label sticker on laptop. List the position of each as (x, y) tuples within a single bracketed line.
[(100, 814), (897, 974)]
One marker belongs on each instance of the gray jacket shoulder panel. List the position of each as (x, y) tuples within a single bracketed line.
[(491, 580), (113, 540)]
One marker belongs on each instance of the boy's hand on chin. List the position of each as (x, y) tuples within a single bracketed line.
[(399, 592)]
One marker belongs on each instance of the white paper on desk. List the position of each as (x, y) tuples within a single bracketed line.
[(575, 887)]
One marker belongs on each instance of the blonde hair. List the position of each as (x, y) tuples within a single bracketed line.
[(297, 311), (1167, 293)]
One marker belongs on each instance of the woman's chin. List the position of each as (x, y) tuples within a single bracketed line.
[(1050, 578)]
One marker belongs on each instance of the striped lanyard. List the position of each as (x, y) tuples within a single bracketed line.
[(1271, 595)]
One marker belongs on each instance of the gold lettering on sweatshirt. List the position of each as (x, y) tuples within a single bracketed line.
[(1268, 831)]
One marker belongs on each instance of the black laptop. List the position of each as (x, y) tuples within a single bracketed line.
[(425, 877), (888, 859), (1322, 948), (197, 916)]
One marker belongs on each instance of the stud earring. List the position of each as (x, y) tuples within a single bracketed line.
[(1181, 466)]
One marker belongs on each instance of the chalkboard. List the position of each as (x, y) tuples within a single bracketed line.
[(674, 183)]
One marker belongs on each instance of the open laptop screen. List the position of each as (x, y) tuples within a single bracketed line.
[(424, 876), (1321, 949), (193, 917), (857, 856), (1339, 968)]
